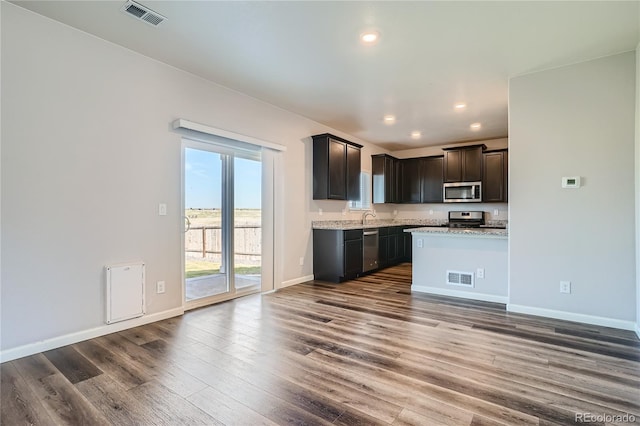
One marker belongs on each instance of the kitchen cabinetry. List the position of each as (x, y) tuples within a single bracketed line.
[(494, 179), (463, 164), (336, 168), (432, 178), (337, 254), (411, 178), (385, 171), (396, 245), (390, 246), (408, 244), (383, 247), (407, 181)]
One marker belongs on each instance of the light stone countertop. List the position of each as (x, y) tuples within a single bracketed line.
[(461, 232), (433, 224), (356, 224)]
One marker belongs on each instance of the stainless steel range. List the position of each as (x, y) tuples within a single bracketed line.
[(466, 219)]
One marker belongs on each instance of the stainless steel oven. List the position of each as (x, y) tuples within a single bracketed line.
[(369, 249), (462, 192)]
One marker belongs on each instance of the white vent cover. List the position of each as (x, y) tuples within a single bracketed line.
[(460, 278), (125, 292), (143, 13)]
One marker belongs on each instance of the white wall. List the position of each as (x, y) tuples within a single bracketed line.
[(87, 155), (576, 120), (462, 253)]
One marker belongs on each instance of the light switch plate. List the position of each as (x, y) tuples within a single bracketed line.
[(162, 209)]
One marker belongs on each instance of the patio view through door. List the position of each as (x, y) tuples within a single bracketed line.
[(223, 223)]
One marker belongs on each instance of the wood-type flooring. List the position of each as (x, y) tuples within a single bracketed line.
[(364, 352)]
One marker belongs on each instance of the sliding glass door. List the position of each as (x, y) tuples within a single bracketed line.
[(223, 223)]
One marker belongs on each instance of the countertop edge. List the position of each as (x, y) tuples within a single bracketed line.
[(457, 232)]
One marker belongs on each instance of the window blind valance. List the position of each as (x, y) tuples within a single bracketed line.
[(210, 134)]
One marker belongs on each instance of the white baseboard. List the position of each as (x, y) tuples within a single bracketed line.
[(571, 316), (295, 281), (460, 293), (79, 336), (637, 330)]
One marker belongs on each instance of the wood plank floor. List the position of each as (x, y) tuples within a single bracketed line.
[(365, 352)]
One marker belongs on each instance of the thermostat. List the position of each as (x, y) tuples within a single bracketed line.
[(571, 182)]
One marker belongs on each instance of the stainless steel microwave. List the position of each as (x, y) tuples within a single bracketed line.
[(462, 192)]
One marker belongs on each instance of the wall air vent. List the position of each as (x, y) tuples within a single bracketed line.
[(143, 13), (460, 278)]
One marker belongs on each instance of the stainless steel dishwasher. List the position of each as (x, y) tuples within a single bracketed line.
[(369, 250)]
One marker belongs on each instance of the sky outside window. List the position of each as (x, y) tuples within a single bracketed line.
[(203, 181)]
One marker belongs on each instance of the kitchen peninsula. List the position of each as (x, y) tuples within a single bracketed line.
[(468, 263)]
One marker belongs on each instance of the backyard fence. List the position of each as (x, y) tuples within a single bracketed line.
[(205, 242)]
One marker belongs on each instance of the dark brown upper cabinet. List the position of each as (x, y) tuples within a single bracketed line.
[(411, 180), (336, 168), (463, 164), (494, 180), (407, 181), (421, 180), (432, 173), (385, 175)]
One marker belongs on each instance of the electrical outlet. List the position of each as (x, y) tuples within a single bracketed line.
[(162, 209), (496, 212), (160, 287), (302, 261), (480, 273), (419, 243), (320, 212), (565, 287), (431, 212)]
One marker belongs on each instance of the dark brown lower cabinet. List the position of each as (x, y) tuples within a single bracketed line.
[(383, 247), (407, 243), (396, 245), (337, 254)]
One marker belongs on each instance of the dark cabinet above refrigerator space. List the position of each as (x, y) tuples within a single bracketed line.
[(407, 181)]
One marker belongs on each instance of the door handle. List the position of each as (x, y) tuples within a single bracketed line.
[(188, 222)]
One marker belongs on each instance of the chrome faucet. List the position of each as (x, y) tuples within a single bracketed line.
[(365, 214)]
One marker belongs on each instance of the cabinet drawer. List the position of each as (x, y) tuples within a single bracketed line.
[(396, 230), (354, 234)]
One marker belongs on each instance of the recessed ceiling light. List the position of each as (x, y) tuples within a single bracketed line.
[(460, 106), (370, 37), (416, 134), (389, 119), (476, 126)]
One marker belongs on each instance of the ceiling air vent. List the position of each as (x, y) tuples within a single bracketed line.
[(460, 278), (143, 13)]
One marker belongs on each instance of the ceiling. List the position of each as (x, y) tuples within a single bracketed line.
[(306, 57)]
